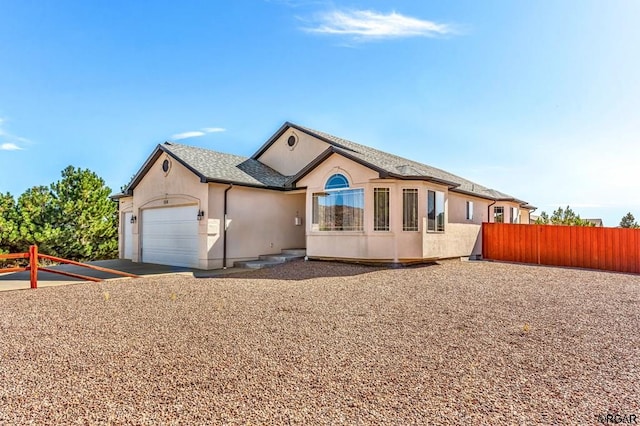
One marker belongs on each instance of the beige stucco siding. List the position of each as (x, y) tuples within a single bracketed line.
[(290, 160), (125, 205), (259, 222), (392, 245), (458, 208), (157, 189), (458, 240), (524, 213)]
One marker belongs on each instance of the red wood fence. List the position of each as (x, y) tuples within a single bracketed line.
[(611, 249), (33, 267)]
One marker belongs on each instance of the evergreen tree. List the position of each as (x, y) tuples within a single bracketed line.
[(84, 216), (35, 210), (628, 221), (9, 231), (562, 216)]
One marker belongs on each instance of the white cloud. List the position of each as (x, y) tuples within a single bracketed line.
[(368, 24), (9, 146), (9, 142), (187, 135), (197, 133)]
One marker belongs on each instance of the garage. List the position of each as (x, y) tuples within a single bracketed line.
[(170, 236)]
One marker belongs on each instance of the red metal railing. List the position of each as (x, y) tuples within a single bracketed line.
[(611, 249), (33, 267)]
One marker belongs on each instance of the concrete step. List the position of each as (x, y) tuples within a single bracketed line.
[(256, 264), (295, 252), (282, 258), (269, 260)]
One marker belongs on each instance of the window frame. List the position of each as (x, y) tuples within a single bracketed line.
[(469, 210), (516, 216), (496, 214), (406, 215), (436, 222), (386, 224), (344, 190)]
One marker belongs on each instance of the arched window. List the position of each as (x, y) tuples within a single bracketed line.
[(338, 207), (337, 181)]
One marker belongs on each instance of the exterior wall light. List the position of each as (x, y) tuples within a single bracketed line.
[(200, 214), (133, 219)]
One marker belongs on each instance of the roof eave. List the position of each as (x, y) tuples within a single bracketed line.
[(283, 129), (246, 184), (449, 184)]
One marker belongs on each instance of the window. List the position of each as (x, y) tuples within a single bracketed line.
[(515, 215), (409, 209), (337, 181), (338, 208), (435, 211), (380, 209), (498, 214), (469, 210)]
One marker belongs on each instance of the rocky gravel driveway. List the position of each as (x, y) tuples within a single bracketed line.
[(326, 343)]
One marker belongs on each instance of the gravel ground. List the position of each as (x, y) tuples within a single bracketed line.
[(326, 343)]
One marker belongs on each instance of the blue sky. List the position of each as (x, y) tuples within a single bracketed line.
[(540, 99)]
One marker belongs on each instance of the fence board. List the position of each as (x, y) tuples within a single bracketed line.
[(612, 249)]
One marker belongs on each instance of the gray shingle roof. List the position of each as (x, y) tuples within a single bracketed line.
[(220, 167), (217, 166), (405, 167)]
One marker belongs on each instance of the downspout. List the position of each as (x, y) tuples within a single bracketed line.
[(224, 229), (489, 211)]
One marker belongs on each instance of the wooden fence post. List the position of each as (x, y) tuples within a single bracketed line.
[(33, 262)]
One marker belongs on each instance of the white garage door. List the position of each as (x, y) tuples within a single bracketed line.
[(170, 236)]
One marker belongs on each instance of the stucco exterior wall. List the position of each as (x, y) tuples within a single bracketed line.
[(290, 160), (458, 240), (125, 205), (177, 187), (259, 222), (393, 245), (458, 208), (524, 213)]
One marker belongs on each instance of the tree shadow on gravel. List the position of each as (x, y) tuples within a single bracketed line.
[(303, 270)]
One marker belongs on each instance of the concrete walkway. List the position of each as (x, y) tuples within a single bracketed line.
[(20, 280)]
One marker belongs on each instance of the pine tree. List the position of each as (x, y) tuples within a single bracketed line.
[(628, 221)]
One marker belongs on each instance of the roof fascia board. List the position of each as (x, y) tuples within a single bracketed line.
[(143, 170), (450, 185), (248, 185), (283, 129), (160, 149), (271, 140), (472, 194)]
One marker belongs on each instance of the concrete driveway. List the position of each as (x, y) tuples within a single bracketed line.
[(20, 280)]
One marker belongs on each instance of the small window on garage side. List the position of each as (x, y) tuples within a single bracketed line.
[(469, 210)]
